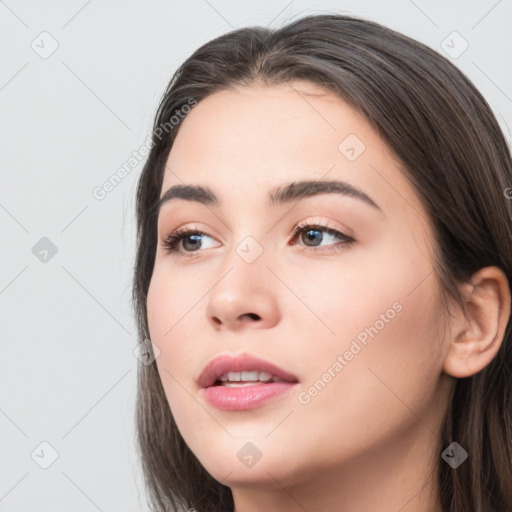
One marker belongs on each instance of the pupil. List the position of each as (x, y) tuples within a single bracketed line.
[(195, 238), (318, 235)]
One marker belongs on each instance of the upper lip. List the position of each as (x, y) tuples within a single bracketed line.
[(225, 363)]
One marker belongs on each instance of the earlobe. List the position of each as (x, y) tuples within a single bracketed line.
[(477, 335)]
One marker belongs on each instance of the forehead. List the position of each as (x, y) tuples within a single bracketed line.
[(243, 142), (252, 124)]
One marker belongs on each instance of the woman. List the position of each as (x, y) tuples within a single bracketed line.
[(323, 269)]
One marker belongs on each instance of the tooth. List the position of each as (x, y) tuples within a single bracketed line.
[(239, 384), (248, 376), (245, 376)]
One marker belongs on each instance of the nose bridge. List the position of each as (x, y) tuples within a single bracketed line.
[(247, 240), (242, 289), (243, 266)]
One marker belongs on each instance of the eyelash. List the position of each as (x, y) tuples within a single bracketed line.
[(174, 238)]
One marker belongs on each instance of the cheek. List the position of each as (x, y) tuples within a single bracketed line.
[(169, 314), (174, 307), (386, 322), (390, 366), (171, 304), (159, 310)]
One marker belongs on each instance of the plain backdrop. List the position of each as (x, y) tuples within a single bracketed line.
[(79, 85)]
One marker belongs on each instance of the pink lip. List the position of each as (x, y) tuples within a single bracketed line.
[(247, 397)]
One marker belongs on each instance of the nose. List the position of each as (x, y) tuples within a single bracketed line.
[(243, 296)]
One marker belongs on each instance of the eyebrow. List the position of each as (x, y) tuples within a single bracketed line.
[(277, 196)]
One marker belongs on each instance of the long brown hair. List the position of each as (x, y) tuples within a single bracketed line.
[(452, 149)]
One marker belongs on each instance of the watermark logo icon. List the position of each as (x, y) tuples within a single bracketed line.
[(351, 147), (249, 454), (249, 249), (454, 455), (454, 45), (44, 455), (45, 45), (44, 250), (146, 352)]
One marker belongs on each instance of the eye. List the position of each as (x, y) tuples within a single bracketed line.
[(314, 236), (191, 238)]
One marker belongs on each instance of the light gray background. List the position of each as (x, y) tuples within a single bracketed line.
[(68, 122)]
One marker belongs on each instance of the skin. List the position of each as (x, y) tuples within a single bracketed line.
[(369, 439)]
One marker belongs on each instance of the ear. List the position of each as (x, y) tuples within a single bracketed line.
[(477, 335)]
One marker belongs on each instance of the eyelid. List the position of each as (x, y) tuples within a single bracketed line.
[(327, 225), (187, 228)]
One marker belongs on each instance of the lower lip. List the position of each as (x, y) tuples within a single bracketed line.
[(246, 397)]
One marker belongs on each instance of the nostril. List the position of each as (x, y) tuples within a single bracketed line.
[(254, 316)]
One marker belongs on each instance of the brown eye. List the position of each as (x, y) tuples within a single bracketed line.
[(191, 241), (313, 235)]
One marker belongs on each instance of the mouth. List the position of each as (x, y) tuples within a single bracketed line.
[(244, 382), (246, 378), (241, 371)]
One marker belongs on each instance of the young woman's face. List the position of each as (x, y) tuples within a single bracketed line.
[(357, 321)]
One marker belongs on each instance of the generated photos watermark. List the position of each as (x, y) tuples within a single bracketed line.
[(305, 397), (100, 192)]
